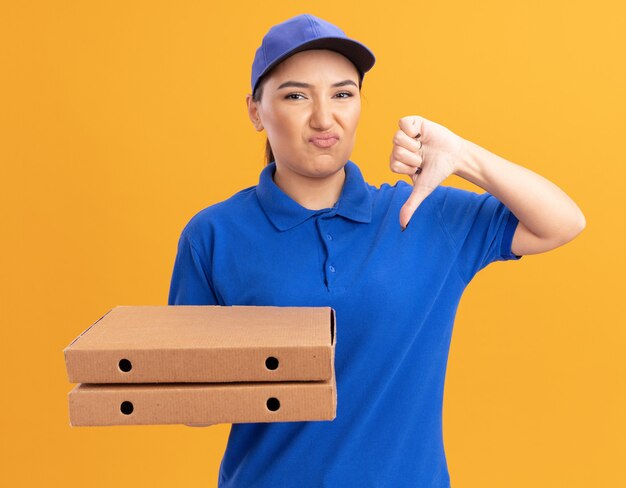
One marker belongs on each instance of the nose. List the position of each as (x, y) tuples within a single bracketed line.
[(321, 115)]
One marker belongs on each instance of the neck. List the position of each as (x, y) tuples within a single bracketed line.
[(311, 193)]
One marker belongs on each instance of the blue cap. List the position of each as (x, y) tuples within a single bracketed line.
[(304, 32)]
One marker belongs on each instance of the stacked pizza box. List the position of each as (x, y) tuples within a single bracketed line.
[(205, 364)]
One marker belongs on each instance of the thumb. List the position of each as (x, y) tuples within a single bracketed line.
[(417, 196)]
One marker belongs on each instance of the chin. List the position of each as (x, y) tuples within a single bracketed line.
[(326, 165)]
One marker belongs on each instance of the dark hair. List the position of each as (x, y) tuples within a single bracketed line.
[(258, 94)]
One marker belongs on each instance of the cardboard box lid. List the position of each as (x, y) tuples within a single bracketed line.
[(202, 403), (205, 343)]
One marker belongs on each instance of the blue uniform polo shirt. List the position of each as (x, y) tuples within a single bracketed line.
[(395, 296)]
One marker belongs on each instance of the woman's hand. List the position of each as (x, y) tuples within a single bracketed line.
[(428, 148)]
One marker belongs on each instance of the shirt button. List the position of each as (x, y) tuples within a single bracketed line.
[(329, 237), (332, 269)]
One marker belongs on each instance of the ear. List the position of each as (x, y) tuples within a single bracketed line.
[(253, 113)]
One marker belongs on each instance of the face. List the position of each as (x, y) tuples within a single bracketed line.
[(309, 97)]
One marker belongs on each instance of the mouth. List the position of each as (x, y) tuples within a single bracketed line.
[(324, 141)]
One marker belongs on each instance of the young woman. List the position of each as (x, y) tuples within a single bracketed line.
[(314, 233)]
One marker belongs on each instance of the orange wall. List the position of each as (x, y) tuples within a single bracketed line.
[(120, 120)]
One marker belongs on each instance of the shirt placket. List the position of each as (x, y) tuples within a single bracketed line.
[(327, 237)]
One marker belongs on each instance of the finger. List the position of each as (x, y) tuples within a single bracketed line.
[(406, 169), (400, 138), (401, 156), (424, 184), (412, 125), (417, 196)]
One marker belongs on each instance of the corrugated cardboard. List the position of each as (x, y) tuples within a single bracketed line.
[(208, 343), (204, 365), (134, 404)]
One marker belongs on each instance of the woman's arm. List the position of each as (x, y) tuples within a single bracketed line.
[(548, 217)]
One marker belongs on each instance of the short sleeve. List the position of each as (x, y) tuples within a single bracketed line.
[(190, 284), (480, 226)]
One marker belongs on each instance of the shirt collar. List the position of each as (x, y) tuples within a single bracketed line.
[(354, 203)]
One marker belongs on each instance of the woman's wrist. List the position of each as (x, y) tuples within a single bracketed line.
[(468, 164)]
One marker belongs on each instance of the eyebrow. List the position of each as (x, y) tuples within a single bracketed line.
[(299, 84)]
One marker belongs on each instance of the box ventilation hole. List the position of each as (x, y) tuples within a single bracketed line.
[(126, 408), (271, 363), (125, 365), (273, 404)]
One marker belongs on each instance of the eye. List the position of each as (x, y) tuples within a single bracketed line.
[(294, 96)]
